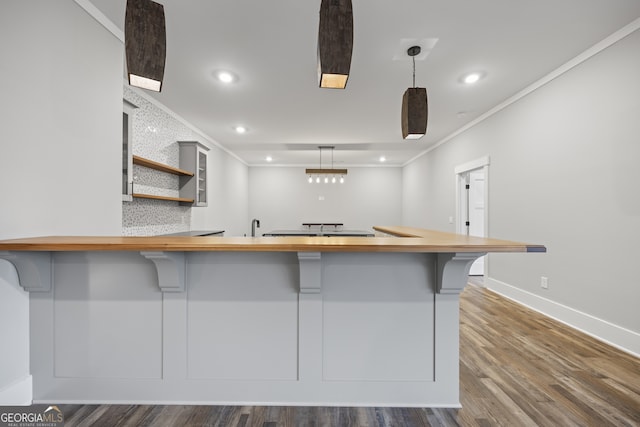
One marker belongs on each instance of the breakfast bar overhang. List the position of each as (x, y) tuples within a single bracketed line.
[(348, 321)]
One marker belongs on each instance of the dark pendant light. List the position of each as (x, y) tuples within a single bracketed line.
[(335, 43), (414, 105), (145, 43)]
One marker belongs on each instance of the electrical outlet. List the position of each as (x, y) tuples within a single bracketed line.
[(544, 282)]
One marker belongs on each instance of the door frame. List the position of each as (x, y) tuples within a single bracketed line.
[(461, 172)]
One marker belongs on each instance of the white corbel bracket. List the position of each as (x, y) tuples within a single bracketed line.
[(310, 272), (171, 269), (34, 269), (453, 271)]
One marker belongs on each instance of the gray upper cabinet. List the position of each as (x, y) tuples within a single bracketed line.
[(193, 157)]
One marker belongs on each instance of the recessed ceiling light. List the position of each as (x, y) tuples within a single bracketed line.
[(225, 76), (240, 129), (472, 78), (269, 159), (383, 159)]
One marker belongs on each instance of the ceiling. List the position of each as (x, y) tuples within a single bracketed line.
[(271, 47)]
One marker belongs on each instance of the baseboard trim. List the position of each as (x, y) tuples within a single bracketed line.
[(613, 335), (19, 393), (243, 403)]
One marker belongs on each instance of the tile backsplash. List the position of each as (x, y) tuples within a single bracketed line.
[(155, 136)]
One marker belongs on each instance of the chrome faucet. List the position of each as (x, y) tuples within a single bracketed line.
[(254, 223)]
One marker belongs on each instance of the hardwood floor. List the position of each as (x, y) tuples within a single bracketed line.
[(517, 368)]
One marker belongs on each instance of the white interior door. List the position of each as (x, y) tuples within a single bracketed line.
[(476, 213), (472, 210)]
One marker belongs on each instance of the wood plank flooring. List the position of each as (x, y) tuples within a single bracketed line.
[(517, 368)]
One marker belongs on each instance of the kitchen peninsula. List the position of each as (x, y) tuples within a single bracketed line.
[(241, 320)]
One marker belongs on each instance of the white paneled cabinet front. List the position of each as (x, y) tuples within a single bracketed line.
[(248, 328), (106, 331), (193, 157), (242, 329)]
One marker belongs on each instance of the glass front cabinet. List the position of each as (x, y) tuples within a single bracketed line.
[(128, 111), (193, 157)]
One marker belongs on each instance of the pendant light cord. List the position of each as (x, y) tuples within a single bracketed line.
[(414, 71), (412, 52)]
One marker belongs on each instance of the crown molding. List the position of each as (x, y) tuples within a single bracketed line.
[(96, 14), (592, 51)]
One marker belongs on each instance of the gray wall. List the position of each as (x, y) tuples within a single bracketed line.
[(61, 115), (61, 85), (281, 198), (563, 173)]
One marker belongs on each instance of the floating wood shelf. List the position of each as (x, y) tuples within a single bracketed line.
[(141, 161), (171, 199)]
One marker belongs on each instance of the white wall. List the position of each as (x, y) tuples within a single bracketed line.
[(228, 196), (281, 198), (61, 85), (563, 173), (61, 91)]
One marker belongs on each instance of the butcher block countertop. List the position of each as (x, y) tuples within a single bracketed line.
[(401, 239)]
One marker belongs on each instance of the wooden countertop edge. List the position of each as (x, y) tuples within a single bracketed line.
[(430, 241), (412, 232)]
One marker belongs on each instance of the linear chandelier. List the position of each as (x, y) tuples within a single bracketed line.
[(335, 43), (326, 173), (414, 105), (145, 43)]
